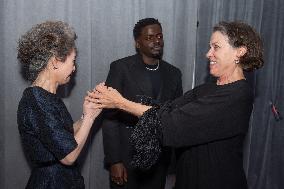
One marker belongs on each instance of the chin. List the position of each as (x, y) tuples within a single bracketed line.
[(212, 73), (158, 56), (65, 82)]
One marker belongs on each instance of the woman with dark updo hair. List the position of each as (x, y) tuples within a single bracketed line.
[(50, 139), (208, 124)]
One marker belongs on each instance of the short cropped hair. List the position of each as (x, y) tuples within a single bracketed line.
[(143, 23), (43, 41), (243, 35)]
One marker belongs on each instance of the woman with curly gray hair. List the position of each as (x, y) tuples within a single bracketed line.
[(208, 124), (50, 139)]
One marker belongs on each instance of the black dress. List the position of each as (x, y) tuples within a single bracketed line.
[(207, 126), (46, 130)]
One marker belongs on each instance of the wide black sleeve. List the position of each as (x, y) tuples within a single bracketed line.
[(206, 119), (189, 121), (110, 126), (146, 142), (147, 135)]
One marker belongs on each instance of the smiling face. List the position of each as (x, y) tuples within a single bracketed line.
[(150, 43), (66, 68), (222, 56)]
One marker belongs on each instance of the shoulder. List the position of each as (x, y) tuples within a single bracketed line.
[(40, 98), (26, 100), (244, 89), (238, 91), (123, 65), (125, 60), (170, 67), (29, 102), (201, 90), (30, 96), (237, 88), (205, 86)]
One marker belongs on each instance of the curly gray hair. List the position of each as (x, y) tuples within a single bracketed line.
[(43, 41)]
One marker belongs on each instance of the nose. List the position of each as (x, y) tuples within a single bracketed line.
[(209, 53)]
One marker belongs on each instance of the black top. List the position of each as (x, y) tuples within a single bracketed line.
[(46, 130), (207, 126), (155, 77)]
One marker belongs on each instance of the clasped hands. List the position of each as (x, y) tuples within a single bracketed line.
[(105, 97)]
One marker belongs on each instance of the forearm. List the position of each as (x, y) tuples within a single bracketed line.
[(77, 125), (134, 108), (81, 131), (108, 97)]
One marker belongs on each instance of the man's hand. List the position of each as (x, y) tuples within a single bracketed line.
[(118, 173)]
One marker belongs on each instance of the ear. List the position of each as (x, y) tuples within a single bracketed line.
[(53, 63), (241, 51), (137, 44)]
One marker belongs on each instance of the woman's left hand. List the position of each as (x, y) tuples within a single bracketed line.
[(106, 97)]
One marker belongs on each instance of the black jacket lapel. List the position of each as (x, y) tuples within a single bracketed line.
[(165, 83)]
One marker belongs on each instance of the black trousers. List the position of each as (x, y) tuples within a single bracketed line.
[(155, 178)]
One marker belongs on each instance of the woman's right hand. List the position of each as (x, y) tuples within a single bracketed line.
[(107, 97), (90, 109)]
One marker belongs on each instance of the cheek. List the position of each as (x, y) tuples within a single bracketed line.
[(67, 70), (211, 53), (217, 55), (221, 57), (150, 44)]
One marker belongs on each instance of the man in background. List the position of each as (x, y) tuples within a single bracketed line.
[(140, 77)]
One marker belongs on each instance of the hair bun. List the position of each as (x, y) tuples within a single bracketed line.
[(252, 63)]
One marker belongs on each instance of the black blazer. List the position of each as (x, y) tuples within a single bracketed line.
[(129, 76)]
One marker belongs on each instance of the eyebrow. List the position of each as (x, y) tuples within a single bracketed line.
[(161, 33), (214, 43)]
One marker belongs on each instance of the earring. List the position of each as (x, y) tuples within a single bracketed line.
[(54, 67), (237, 61)]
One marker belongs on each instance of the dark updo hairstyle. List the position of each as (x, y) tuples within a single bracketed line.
[(142, 24), (43, 41), (243, 35)]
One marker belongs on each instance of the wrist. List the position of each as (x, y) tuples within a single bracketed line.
[(87, 117), (122, 104)]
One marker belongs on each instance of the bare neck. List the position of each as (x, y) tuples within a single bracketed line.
[(45, 80), (230, 77)]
